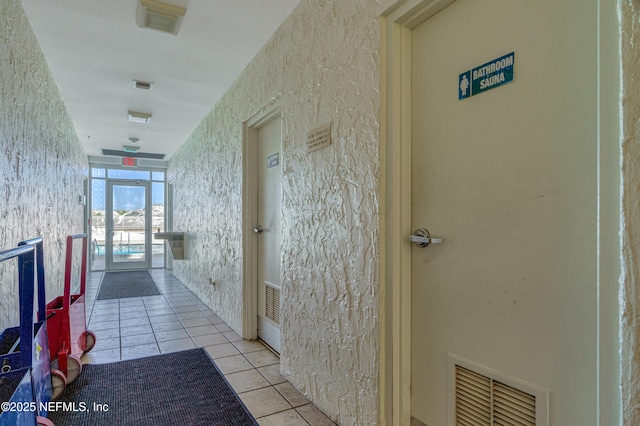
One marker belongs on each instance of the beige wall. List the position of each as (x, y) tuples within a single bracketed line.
[(323, 66), (42, 164)]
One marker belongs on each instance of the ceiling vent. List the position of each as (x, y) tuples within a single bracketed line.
[(123, 153), (139, 117), (159, 16), (142, 85)]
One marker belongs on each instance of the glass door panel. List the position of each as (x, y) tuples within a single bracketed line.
[(128, 226), (98, 224)]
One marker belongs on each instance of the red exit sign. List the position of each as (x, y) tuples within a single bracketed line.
[(129, 161)]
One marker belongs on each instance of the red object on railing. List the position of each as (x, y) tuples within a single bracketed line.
[(66, 319)]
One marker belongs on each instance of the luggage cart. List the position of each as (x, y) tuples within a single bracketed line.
[(66, 319), (25, 377)]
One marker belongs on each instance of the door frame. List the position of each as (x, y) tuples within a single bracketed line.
[(395, 135), (168, 221), (250, 215), (395, 27)]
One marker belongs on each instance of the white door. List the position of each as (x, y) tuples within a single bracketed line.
[(128, 239), (508, 179), (268, 232)]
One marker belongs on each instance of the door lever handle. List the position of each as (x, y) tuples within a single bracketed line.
[(422, 238), (258, 230)]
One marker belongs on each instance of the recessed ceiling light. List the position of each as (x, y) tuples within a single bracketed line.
[(130, 148), (139, 117), (142, 85), (159, 16)]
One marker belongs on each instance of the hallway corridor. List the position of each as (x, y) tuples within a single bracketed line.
[(177, 320)]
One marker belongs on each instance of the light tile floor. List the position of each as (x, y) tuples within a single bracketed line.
[(177, 320)]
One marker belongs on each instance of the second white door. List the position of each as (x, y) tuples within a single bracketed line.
[(268, 232)]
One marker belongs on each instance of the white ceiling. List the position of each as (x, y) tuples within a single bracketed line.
[(95, 50)]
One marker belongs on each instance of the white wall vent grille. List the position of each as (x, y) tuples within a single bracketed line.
[(512, 406), (473, 398), (483, 401), (272, 302)]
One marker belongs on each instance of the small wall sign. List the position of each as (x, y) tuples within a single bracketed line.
[(319, 138), (487, 76), (273, 160)]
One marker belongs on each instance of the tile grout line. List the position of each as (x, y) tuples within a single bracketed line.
[(155, 338)]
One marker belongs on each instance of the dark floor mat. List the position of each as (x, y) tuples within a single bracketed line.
[(180, 388), (119, 285)]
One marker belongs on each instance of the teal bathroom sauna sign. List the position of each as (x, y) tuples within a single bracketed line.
[(486, 77)]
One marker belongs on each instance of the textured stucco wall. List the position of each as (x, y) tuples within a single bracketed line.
[(323, 65), (42, 163), (630, 339)]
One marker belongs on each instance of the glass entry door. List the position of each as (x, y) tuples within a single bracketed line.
[(128, 239)]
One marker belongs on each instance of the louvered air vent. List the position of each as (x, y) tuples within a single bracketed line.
[(482, 401), (272, 302), (473, 398), (512, 407)]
